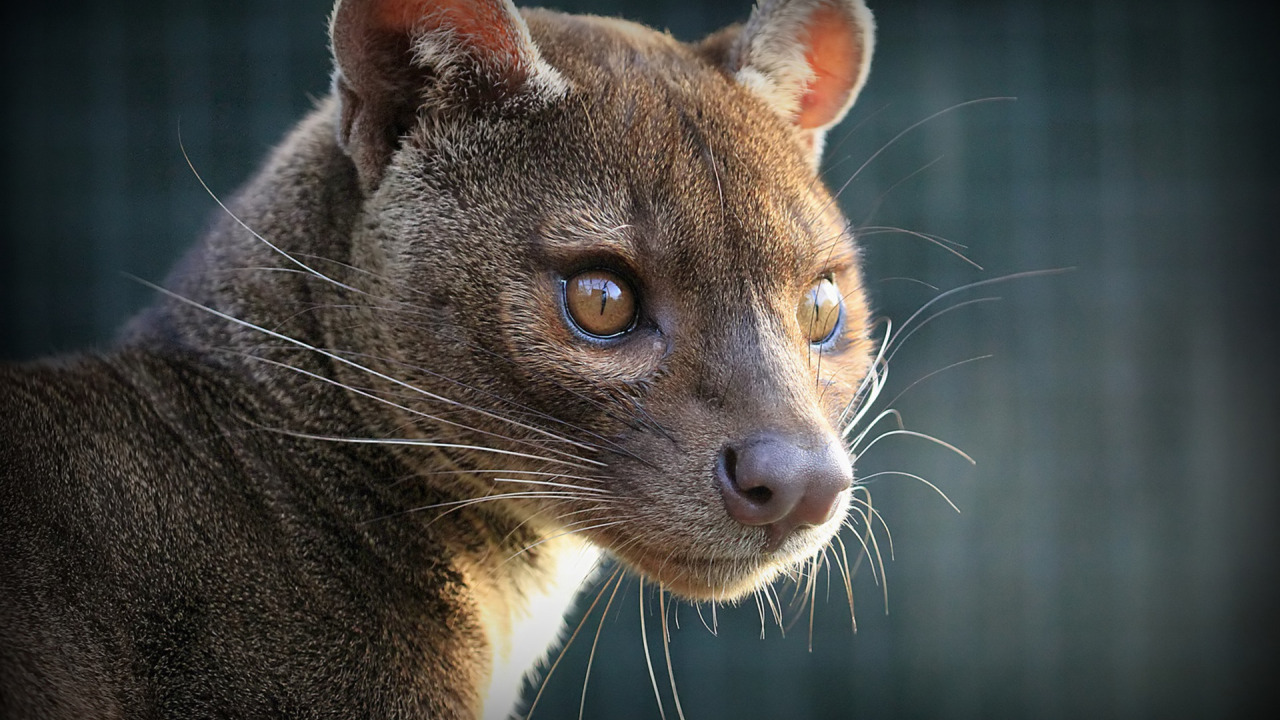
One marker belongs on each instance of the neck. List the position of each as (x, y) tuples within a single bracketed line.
[(273, 297)]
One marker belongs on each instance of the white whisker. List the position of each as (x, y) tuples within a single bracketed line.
[(582, 702), (902, 134), (307, 268), (458, 504), (972, 286), (422, 443), (527, 548), (617, 573), (913, 477), (876, 515), (648, 661), (846, 574), (943, 243), (698, 608), (551, 484), (899, 342), (857, 440), (940, 370), (429, 416), (666, 650), (355, 365), (760, 607), (923, 436)]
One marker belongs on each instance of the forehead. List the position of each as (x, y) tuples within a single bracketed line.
[(690, 172)]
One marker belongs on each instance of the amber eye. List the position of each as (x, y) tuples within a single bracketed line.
[(600, 303), (819, 311)]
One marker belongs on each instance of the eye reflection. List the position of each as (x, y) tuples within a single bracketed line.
[(819, 311), (600, 303)]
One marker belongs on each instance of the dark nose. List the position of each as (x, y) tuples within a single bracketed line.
[(783, 483)]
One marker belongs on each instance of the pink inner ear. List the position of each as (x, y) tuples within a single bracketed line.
[(483, 24), (834, 55)]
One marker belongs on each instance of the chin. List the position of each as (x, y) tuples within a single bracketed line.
[(730, 576)]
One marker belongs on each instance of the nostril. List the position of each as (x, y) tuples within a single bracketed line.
[(783, 482), (757, 494), (751, 483), (729, 464)]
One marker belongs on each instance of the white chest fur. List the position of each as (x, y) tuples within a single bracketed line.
[(531, 622)]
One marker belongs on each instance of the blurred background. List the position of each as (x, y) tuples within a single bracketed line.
[(1113, 553)]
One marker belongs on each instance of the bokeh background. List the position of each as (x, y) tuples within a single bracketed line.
[(1113, 553)]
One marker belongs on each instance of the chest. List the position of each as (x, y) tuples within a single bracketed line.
[(526, 625)]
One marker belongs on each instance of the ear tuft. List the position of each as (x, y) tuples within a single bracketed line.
[(808, 59), (395, 57)]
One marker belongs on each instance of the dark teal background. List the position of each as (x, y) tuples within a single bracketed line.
[(1113, 556)]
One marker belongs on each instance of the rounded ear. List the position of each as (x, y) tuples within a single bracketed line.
[(808, 59), (393, 58)]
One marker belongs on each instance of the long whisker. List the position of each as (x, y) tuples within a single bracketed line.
[(875, 205), (973, 286), (773, 604), (306, 268), (336, 357), (617, 573), (648, 661), (698, 608), (870, 230), (548, 483), (640, 416), (666, 650), (892, 141), (940, 242), (809, 599), (847, 575), (367, 272), (904, 278), (508, 471), (898, 342), (582, 702), (436, 417), (865, 501), (913, 433), (426, 443), (870, 387), (913, 477), (864, 538), (940, 370), (610, 446), (868, 516), (527, 548), (877, 557), (760, 607), (884, 415), (459, 504), (830, 151)]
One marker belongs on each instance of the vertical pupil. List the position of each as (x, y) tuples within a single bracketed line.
[(820, 311), (604, 288), (600, 303)]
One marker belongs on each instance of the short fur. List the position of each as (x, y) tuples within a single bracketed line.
[(258, 503)]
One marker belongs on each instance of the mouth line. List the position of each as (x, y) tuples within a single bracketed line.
[(763, 552), (747, 563)]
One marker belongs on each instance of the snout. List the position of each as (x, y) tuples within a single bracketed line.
[(783, 483)]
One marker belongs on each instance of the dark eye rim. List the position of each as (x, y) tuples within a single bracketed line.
[(582, 332)]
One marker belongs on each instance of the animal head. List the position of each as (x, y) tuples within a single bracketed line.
[(634, 290)]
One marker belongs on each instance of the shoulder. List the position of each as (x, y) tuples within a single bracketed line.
[(68, 403), (88, 425)]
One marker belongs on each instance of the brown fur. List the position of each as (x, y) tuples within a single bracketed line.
[(192, 530)]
